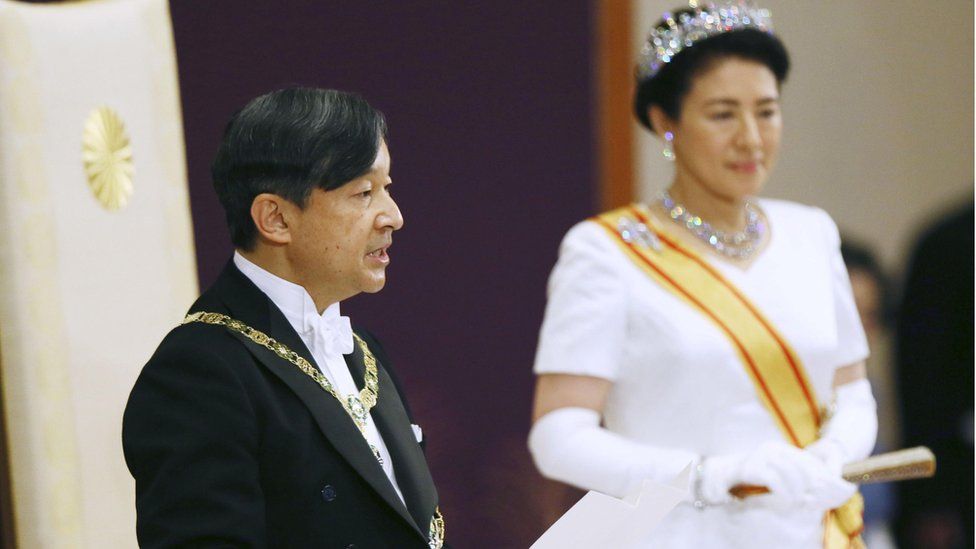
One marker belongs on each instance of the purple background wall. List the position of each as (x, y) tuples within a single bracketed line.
[(489, 106)]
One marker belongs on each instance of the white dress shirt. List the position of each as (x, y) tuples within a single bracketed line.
[(327, 336)]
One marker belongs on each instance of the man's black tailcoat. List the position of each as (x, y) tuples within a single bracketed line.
[(232, 446)]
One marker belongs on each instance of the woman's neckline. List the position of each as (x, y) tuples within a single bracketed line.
[(664, 223)]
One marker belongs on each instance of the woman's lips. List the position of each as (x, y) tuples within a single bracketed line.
[(745, 167)]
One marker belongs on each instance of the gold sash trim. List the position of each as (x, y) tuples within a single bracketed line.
[(773, 367), (843, 526)]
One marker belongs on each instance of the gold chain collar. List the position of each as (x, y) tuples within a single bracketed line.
[(357, 407)]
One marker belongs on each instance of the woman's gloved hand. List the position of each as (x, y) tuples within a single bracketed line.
[(793, 477)]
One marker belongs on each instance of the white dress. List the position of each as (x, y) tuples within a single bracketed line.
[(678, 383)]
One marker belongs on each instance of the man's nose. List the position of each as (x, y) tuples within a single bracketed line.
[(392, 218)]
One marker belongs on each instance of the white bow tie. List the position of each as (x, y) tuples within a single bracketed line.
[(330, 333)]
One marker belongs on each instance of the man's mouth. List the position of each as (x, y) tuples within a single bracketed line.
[(380, 254)]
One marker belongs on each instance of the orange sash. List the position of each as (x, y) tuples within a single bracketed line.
[(779, 378)]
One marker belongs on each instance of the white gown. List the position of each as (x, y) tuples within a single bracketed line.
[(677, 381)]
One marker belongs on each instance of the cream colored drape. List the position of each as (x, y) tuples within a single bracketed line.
[(87, 288)]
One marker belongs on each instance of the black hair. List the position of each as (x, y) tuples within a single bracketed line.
[(671, 84), (288, 142), (859, 257)]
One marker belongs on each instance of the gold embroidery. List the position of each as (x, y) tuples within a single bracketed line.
[(357, 406)]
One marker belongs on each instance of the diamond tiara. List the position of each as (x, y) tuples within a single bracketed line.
[(684, 30)]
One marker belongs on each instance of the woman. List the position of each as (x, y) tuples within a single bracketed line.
[(709, 329)]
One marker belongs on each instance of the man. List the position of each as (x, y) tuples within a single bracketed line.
[(264, 420)]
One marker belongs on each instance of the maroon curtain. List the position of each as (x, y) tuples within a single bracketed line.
[(491, 134)]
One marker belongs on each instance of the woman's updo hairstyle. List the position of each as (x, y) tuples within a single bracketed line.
[(671, 84)]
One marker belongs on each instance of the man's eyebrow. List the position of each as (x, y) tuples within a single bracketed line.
[(734, 102)]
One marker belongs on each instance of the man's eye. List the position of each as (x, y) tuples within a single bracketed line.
[(366, 194), (721, 116)]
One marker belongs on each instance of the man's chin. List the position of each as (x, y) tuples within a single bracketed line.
[(374, 286)]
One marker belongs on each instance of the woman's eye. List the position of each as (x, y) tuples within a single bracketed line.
[(721, 115), (768, 113), (366, 194)]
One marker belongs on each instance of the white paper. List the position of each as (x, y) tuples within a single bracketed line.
[(599, 521)]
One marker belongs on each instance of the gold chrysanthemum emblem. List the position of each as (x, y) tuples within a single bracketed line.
[(107, 156)]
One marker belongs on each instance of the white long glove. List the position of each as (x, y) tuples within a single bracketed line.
[(811, 476), (852, 430), (569, 445), (793, 477)]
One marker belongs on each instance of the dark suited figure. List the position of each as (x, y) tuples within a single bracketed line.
[(935, 360), (235, 431)]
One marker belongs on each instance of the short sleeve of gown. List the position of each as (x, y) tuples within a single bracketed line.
[(852, 345), (585, 320)]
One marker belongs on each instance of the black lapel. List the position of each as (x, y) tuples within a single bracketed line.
[(247, 303), (409, 462)]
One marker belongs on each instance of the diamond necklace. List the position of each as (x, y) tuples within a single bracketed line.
[(737, 245)]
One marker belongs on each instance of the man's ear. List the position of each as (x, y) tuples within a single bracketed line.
[(269, 213), (660, 120)]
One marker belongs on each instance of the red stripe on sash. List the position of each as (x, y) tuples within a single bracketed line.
[(735, 291), (710, 314)]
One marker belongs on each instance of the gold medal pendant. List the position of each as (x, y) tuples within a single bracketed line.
[(357, 411), (435, 534)]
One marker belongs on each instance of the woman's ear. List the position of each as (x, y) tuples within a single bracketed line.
[(660, 121), (268, 211)]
